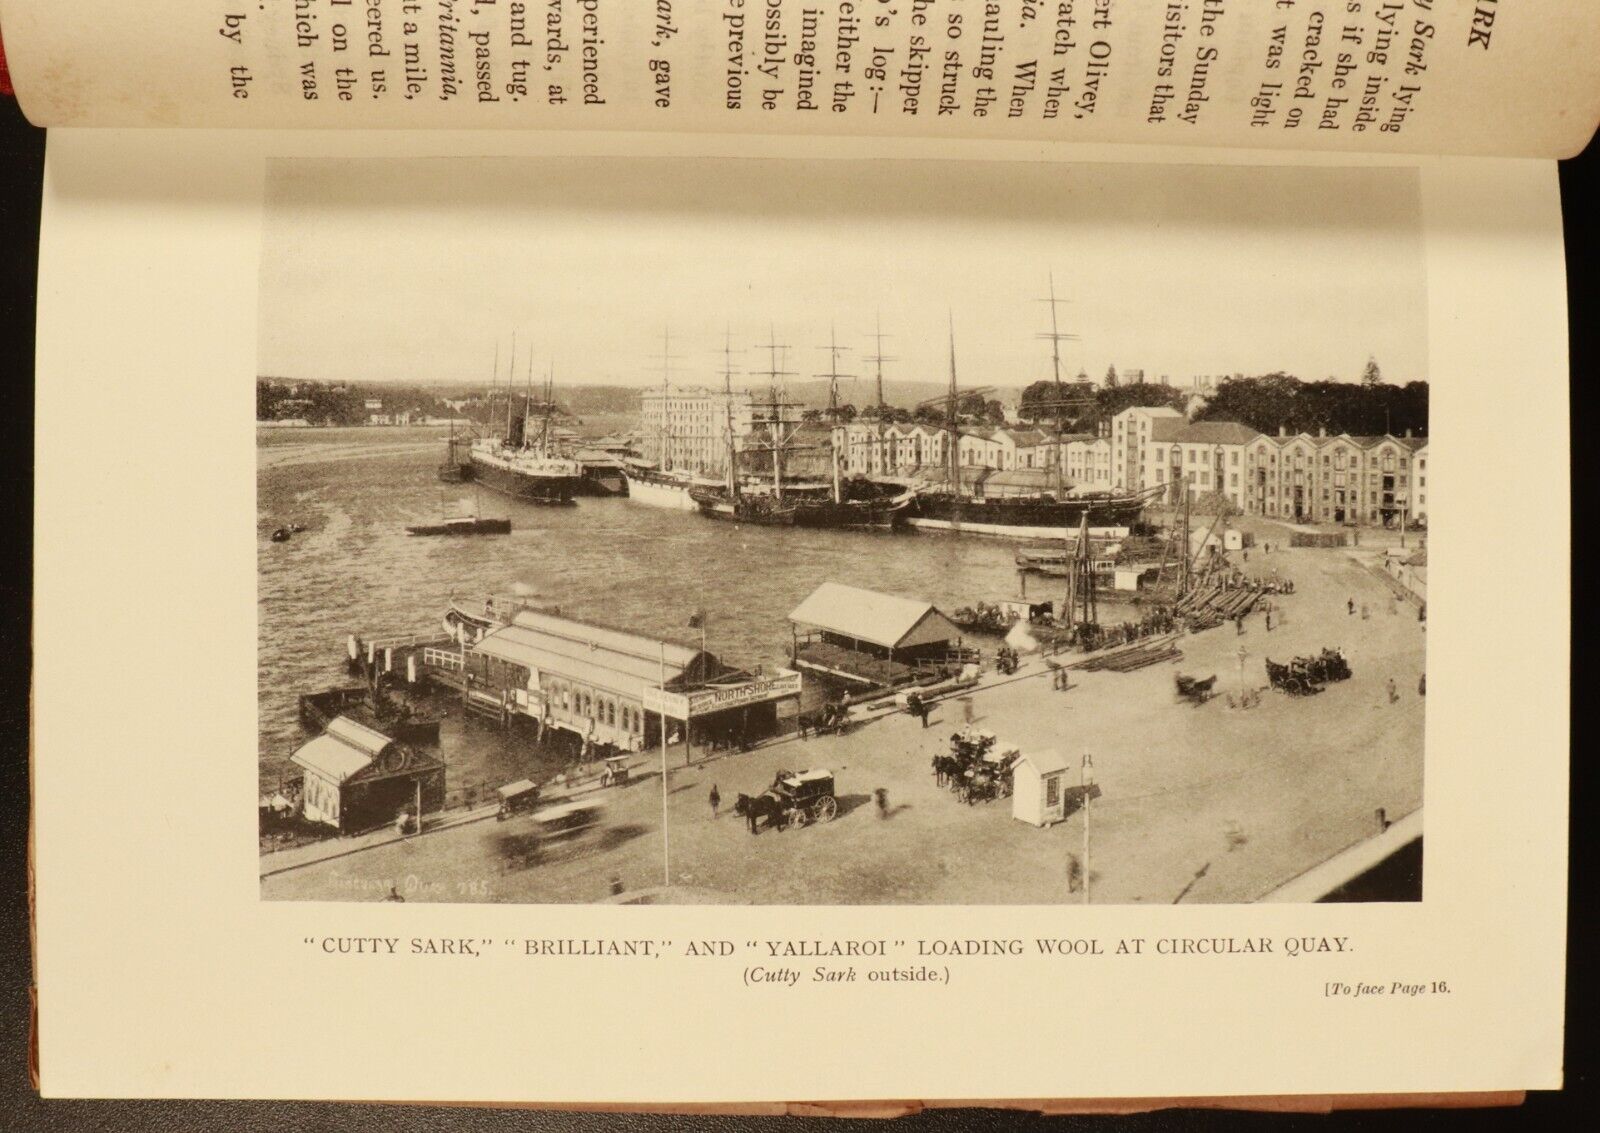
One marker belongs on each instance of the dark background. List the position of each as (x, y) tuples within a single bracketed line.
[(21, 166)]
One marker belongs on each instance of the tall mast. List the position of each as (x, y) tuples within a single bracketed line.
[(1056, 337), (878, 360), (494, 385), (527, 399), (511, 371), (727, 402), (549, 408), (667, 358), (775, 373), (833, 375)]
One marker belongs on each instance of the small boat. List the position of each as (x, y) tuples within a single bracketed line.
[(465, 525), (463, 521)]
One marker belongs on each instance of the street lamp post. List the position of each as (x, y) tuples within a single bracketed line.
[(1242, 656)]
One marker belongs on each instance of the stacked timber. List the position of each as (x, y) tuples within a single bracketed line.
[(1138, 655), (1208, 606)]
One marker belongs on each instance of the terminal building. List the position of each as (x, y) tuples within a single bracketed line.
[(614, 687)]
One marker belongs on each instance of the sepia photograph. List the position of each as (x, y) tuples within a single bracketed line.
[(758, 532)]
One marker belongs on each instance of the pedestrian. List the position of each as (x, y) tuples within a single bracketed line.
[(922, 711), (1074, 874), (394, 895), (1422, 685), (1350, 606), (716, 800), (1246, 556), (1238, 625), (1269, 619), (882, 797), (1394, 695)]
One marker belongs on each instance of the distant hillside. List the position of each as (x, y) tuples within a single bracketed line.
[(609, 399)]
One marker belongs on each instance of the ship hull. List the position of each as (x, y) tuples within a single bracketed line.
[(603, 482), (555, 491), (860, 515), (1023, 519), (660, 493), (758, 512)]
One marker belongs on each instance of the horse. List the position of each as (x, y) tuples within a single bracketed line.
[(763, 806), (828, 719)]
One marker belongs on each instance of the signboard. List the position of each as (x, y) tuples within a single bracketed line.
[(703, 702)]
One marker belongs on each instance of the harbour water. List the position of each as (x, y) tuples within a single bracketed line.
[(354, 569)]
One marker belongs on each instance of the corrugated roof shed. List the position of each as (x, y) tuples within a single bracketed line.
[(610, 659), (358, 736), (331, 757), (866, 615)]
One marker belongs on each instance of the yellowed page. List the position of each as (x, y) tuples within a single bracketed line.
[(175, 265), (1407, 76)]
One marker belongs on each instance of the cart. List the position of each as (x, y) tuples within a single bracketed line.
[(807, 796), (616, 772), (515, 798)]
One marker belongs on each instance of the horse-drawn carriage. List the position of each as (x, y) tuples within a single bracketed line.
[(515, 798), (1305, 676), (1195, 690), (974, 770), (799, 797), (832, 718), (565, 825)]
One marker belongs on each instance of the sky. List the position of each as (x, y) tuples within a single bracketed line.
[(420, 270)]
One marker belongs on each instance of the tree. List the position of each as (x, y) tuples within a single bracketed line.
[(1036, 402), (1111, 377), (1371, 375)]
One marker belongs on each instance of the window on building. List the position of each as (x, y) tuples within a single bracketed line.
[(1161, 474), (1205, 478), (1233, 479), (1233, 459), (1191, 456)]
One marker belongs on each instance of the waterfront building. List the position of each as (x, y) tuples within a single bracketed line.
[(863, 635), (610, 686), (688, 427), (1204, 457), (1340, 479), (1131, 432), (1419, 483), (354, 778), (1087, 461)]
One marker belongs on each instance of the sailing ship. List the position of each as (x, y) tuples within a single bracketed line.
[(733, 501), (518, 464), (856, 502), (657, 483), (959, 502)]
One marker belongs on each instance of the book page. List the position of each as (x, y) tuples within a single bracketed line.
[(690, 831), (1404, 76)]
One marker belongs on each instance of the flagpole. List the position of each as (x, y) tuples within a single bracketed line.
[(666, 845)]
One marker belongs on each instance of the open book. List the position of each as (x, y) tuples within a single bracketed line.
[(874, 551)]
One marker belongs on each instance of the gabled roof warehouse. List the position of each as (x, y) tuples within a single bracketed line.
[(879, 619)]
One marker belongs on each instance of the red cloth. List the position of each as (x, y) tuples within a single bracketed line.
[(5, 75)]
